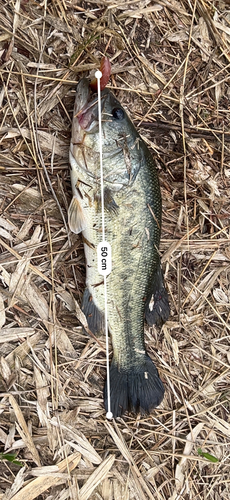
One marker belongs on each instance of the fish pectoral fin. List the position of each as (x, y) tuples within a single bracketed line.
[(157, 307), (136, 388), (109, 201), (76, 216), (94, 316)]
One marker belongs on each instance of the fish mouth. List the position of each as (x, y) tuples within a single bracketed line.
[(88, 117), (86, 108)]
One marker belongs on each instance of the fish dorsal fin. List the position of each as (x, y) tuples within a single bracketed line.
[(76, 216)]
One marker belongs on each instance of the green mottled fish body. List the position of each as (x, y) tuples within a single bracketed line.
[(132, 200)]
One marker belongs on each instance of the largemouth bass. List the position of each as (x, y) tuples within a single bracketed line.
[(132, 200)]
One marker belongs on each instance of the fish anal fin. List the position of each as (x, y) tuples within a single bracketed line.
[(76, 216), (94, 316)]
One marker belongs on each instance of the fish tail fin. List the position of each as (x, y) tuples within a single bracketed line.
[(138, 388), (157, 307)]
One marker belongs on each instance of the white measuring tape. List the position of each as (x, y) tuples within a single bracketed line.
[(104, 260)]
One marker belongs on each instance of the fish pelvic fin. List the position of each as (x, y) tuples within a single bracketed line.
[(157, 307), (76, 216), (94, 316), (138, 388)]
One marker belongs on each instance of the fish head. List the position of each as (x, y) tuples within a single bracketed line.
[(118, 136)]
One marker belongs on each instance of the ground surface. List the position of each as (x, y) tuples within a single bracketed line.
[(170, 64)]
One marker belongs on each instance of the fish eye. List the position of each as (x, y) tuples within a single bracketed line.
[(118, 113)]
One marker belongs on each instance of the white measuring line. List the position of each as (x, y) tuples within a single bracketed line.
[(104, 249)]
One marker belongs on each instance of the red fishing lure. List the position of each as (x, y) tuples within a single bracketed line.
[(105, 68)]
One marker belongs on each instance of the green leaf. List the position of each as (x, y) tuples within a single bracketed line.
[(10, 457), (209, 457)]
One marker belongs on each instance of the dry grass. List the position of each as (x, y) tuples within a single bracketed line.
[(170, 65)]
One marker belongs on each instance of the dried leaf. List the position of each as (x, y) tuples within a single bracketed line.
[(97, 477), (190, 441), (23, 429), (220, 296), (2, 313), (37, 486)]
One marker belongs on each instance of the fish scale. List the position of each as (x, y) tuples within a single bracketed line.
[(132, 215)]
